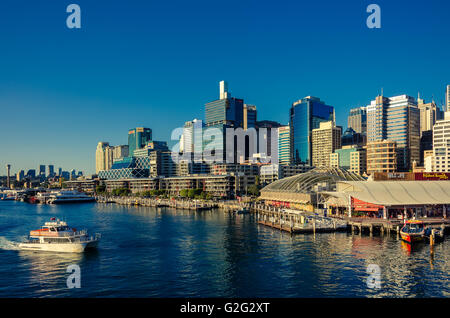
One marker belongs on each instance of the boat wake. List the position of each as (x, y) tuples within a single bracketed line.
[(6, 244)]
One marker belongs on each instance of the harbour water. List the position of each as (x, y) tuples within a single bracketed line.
[(150, 252)]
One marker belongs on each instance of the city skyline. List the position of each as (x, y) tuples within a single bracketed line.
[(67, 97)]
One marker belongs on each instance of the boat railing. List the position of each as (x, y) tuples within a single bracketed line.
[(77, 233)]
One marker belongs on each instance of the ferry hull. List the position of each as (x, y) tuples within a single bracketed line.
[(56, 201), (411, 238), (59, 247)]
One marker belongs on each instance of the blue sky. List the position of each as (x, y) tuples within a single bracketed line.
[(156, 63)]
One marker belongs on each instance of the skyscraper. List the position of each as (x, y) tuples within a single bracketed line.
[(120, 152), (187, 142), (51, 170), (357, 120), (226, 112), (439, 161), (396, 119), (8, 175), (284, 145), (102, 156), (250, 116), (138, 138), (325, 140), (20, 175), (448, 99), (31, 174), (428, 115), (42, 170), (305, 115)]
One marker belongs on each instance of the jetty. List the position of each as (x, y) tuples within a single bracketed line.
[(195, 205)]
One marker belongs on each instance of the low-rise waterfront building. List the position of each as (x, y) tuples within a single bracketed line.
[(232, 168), (86, 186)]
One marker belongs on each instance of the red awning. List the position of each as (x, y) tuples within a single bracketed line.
[(359, 205)]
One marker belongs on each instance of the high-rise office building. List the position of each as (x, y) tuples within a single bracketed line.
[(51, 170), (226, 112), (351, 137), (426, 144), (42, 170), (447, 99), (120, 152), (31, 174), (357, 120), (439, 161), (305, 115), (103, 157), (20, 175), (8, 175), (267, 131), (138, 138), (428, 115), (187, 143), (325, 140), (396, 119), (250, 116), (284, 145)]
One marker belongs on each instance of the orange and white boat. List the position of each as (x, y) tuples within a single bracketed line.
[(413, 231), (57, 236)]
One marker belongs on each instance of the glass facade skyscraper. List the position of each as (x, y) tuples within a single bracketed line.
[(284, 145), (250, 116), (42, 170), (305, 115), (357, 120), (138, 138), (226, 112)]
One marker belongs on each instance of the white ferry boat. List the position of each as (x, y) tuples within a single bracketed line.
[(56, 236), (66, 196), (7, 197)]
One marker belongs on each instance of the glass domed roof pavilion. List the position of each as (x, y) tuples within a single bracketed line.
[(302, 188)]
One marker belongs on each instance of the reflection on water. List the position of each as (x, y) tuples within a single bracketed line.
[(147, 252)]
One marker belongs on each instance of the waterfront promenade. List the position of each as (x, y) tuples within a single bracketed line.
[(286, 220)]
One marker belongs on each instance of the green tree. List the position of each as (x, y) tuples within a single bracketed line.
[(101, 188), (184, 193), (253, 190)]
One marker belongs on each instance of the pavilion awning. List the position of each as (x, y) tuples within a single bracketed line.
[(397, 193)]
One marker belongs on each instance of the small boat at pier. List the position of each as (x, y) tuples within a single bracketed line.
[(413, 231), (242, 211)]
